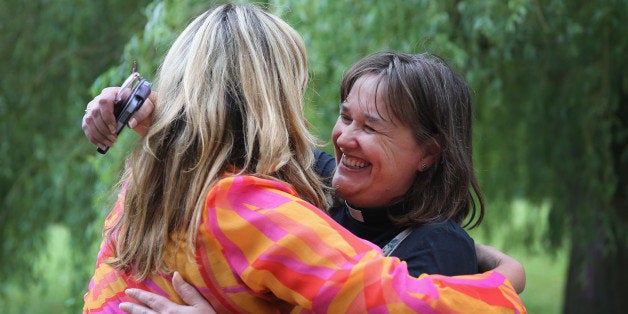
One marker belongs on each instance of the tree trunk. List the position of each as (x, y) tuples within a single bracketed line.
[(597, 281), (597, 278)]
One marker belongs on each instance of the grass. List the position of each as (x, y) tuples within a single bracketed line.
[(545, 279)]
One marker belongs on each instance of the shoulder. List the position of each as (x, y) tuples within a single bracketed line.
[(439, 248), (243, 212), (441, 232), (249, 181), (248, 187), (240, 194), (445, 236)]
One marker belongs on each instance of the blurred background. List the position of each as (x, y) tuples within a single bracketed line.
[(550, 88)]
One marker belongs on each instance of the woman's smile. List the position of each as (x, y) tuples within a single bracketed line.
[(353, 162)]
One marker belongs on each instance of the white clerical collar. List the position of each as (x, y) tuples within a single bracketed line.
[(356, 214)]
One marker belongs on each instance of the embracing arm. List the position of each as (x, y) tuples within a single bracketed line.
[(490, 258), (196, 304), (305, 258), (278, 245)]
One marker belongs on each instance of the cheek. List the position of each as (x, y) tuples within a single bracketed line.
[(335, 132)]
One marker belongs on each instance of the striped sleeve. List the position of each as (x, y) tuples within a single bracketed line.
[(106, 288), (277, 244)]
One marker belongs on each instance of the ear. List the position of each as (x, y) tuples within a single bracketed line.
[(432, 152)]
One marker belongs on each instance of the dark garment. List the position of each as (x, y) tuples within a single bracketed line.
[(438, 248), (324, 165)]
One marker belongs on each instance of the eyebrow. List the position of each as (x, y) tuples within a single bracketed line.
[(369, 117)]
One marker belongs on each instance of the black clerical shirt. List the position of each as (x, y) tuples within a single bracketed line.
[(438, 248)]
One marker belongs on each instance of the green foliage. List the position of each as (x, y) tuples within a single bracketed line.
[(51, 53), (338, 33), (546, 79), (552, 110), (53, 286), (549, 80)]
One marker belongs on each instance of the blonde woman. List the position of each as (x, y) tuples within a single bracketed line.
[(222, 191)]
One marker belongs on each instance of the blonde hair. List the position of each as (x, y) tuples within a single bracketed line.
[(231, 93)]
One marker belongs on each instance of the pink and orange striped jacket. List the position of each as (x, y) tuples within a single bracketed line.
[(261, 249)]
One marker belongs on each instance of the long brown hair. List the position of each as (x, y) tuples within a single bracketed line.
[(426, 95)]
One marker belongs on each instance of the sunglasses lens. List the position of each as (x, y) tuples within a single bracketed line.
[(127, 87)]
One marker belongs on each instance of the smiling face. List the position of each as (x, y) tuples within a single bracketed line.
[(377, 157)]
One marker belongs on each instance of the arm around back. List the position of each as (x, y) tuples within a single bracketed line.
[(279, 245)]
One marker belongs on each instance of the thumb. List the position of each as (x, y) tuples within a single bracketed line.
[(142, 115)]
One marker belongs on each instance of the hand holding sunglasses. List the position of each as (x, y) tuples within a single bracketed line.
[(129, 99)]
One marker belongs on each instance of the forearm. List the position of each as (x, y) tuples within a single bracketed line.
[(513, 271), (490, 258)]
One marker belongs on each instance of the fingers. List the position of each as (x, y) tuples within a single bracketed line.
[(133, 308), (152, 302), (99, 123), (189, 294), (186, 291), (141, 119)]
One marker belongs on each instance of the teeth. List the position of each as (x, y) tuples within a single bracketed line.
[(353, 162)]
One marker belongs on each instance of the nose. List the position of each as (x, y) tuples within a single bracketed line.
[(345, 136)]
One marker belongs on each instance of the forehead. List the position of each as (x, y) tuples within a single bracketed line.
[(368, 97)]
